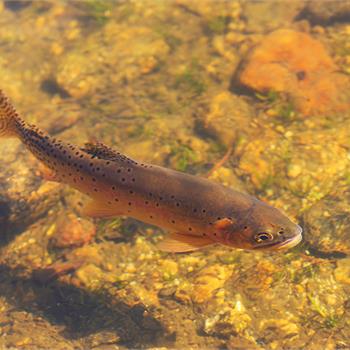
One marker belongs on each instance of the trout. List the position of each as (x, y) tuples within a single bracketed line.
[(196, 211)]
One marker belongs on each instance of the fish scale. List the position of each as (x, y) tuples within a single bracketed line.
[(197, 211)]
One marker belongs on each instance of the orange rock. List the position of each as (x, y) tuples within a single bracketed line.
[(73, 231), (292, 62)]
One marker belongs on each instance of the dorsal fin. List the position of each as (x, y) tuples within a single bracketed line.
[(101, 151)]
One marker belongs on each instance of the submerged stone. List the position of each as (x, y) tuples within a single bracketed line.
[(229, 118), (326, 11), (127, 53), (328, 225), (294, 63), (73, 231)]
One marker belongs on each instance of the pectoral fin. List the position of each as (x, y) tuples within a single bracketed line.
[(180, 243), (47, 174), (100, 209), (223, 224)]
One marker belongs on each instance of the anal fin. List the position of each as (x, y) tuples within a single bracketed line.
[(181, 243), (100, 209)]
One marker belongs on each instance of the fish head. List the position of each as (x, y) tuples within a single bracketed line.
[(264, 228)]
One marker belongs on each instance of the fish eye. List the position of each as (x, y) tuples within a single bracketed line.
[(263, 236)]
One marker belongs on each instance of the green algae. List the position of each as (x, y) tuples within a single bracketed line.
[(182, 156), (217, 25), (99, 10), (191, 79)]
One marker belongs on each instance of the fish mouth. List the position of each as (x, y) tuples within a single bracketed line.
[(291, 242)]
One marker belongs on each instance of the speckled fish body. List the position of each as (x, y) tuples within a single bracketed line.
[(199, 212)]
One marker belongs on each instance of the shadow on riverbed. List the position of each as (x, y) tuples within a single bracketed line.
[(81, 313)]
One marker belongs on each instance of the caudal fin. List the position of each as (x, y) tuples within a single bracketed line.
[(8, 117)]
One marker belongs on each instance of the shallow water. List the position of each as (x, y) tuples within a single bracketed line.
[(178, 83)]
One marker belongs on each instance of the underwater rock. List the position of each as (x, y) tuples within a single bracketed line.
[(342, 272), (127, 53), (226, 113), (24, 197), (208, 281), (261, 153), (90, 276), (210, 9), (72, 231), (240, 343), (226, 176), (232, 319), (326, 11), (264, 16), (63, 115), (327, 224), (294, 63), (297, 161), (169, 268), (281, 329)]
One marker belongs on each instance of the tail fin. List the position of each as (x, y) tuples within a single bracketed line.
[(8, 117)]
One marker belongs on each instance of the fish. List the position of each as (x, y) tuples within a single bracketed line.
[(196, 211)]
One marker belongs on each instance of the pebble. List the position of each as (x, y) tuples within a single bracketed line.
[(208, 281), (294, 170)]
